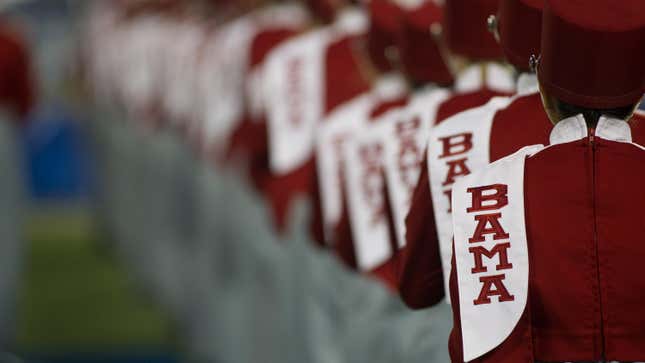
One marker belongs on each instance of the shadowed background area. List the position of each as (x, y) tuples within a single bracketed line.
[(76, 303)]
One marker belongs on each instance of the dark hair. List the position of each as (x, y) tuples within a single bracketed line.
[(592, 115)]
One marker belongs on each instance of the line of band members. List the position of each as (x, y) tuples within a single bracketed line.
[(378, 113)]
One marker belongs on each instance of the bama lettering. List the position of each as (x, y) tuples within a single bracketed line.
[(489, 242), (454, 149), (372, 184), (409, 153)]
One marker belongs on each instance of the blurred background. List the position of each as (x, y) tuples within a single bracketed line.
[(75, 301)]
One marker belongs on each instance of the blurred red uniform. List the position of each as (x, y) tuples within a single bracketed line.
[(249, 138), (17, 91), (350, 117), (471, 89), (282, 182)]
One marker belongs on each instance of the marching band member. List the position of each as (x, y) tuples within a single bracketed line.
[(388, 89), (373, 161), (305, 79), (470, 91), (546, 240)]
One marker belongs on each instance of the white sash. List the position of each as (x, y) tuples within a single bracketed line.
[(404, 152), (469, 134), (364, 182), (224, 83), (331, 136), (493, 289), (291, 16), (294, 89)]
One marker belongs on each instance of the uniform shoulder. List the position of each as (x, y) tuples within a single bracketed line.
[(266, 40), (472, 115), (388, 107), (358, 104), (300, 43), (522, 122), (464, 101), (521, 106)]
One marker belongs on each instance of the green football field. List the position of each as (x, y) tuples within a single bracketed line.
[(76, 297)]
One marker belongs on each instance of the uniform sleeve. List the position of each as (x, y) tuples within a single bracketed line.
[(343, 239), (455, 342), (316, 224), (419, 267)]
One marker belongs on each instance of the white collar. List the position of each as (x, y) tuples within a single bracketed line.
[(409, 4), (288, 14), (613, 129), (390, 85), (527, 83), (351, 20), (498, 78), (575, 128)]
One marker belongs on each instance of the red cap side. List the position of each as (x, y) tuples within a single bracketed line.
[(465, 29), (420, 54), (385, 26), (519, 25), (593, 52), (325, 10)]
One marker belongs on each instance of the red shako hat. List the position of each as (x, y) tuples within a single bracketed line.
[(420, 54), (593, 52), (465, 30), (325, 10), (384, 29), (519, 25)]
